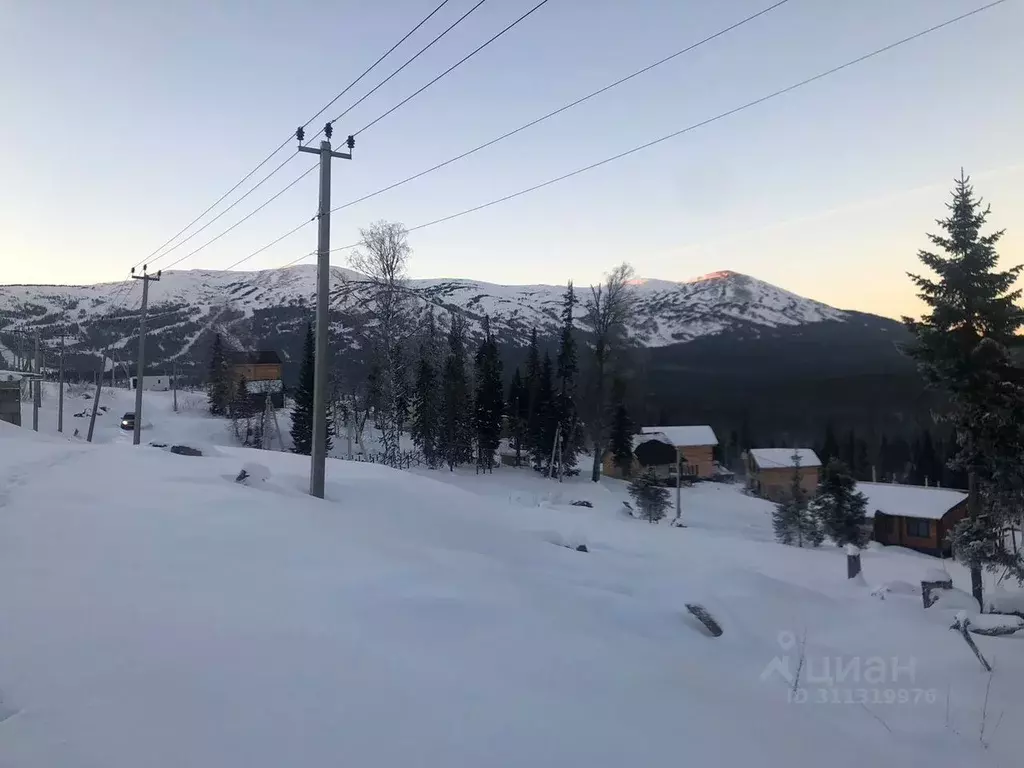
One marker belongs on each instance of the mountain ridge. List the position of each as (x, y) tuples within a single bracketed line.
[(262, 307)]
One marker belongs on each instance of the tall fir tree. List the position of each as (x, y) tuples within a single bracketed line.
[(567, 370), (840, 508), (883, 457), (403, 389), (545, 412), (621, 437), (456, 445), (531, 384), (302, 412), (792, 520), (518, 412), (426, 398), (830, 448), (490, 401), (961, 347), (862, 463), (218, 379)]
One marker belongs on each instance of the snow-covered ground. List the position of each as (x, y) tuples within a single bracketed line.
[(155, 612)]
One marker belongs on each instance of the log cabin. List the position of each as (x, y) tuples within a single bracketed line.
[(914, 516), (770, 471), (694, 447)]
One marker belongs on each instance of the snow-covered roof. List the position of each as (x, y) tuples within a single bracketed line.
[(684, 437), (16, 375), (773, 458), (910, 500), (648, 436)]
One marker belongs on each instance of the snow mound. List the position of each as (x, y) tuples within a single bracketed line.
[(955, 600), (254, 473)]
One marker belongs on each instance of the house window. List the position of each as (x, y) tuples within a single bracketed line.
[(918, 528)]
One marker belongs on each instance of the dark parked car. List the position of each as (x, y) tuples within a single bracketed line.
[(128, 421)]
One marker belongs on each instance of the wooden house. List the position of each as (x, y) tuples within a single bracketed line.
[(693, 445), (649, 451), (262, 371), (262, 365), (914, 516), (770, 471)]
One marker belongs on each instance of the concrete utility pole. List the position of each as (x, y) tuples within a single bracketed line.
[(318, 464), (60, 380), (174, 383), (96, 400), (140, 369), (37, 385)]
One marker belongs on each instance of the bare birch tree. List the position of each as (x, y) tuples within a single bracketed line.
[(607, 312), (382, 258)]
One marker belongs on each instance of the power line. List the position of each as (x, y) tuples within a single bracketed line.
[(525, 126), (367, 71), (708, 121), (461, 61), (562, 109), (258, 184), (241, 221), (409, 61), (272, 243), (283, 144)]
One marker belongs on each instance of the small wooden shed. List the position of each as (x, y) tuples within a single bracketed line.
[(914, 516), (770, 471)]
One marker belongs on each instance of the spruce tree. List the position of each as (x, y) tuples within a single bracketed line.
[(532, 387), (961, 347), (862, 466), (545, 415), (567, 370), (830, 448), (621, 437), (518, 411), (426, 398), (218, 381), (403, 390), (840, 508), (302, 412), (650, 496), (490, 402), (457, 427), (792, 520), (884, 453)]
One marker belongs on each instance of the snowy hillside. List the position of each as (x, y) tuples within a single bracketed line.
[(255, 306), (156, 612)]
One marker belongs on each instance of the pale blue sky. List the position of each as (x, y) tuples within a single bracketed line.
[(124, 119)]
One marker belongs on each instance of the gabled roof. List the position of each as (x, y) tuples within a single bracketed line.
[(685, 437), (259, 357), (17, 375), (774, 458), (910, 500)]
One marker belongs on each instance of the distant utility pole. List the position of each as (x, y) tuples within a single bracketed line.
[(174, 383), (60, 385), (318, 464), (140, 369), (37, 385), (96, 400)]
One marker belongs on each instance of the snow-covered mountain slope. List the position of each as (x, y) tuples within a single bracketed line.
[(257, 306)]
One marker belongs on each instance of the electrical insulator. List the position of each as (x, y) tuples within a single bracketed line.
[(351, 142), (328, 130), (300, 133)]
